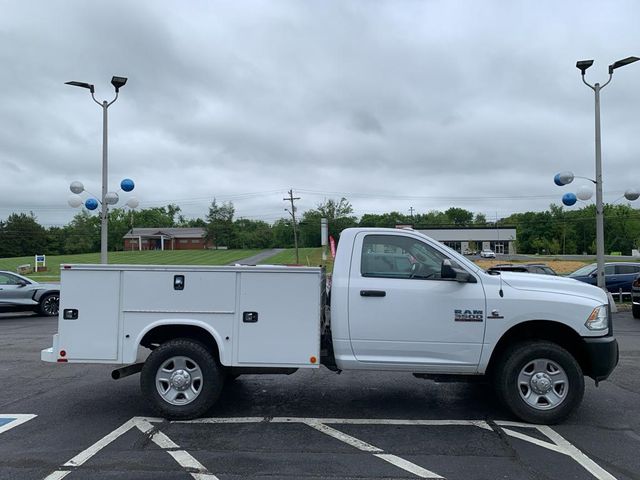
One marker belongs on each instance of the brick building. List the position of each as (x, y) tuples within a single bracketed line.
[(166, 239)]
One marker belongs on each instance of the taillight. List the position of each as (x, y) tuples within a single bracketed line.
[(636, 283)]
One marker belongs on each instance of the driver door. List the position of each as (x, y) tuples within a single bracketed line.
[(401, 312)]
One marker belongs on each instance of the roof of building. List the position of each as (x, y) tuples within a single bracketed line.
[(196, 232)]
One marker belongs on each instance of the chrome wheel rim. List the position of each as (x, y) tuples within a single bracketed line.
[(51, 304), (179, 380), (543, 384)]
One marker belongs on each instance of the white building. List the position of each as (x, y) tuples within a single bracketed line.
[(500, 240)]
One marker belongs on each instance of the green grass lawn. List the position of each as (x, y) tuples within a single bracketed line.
[(311, 257), (146, 257)]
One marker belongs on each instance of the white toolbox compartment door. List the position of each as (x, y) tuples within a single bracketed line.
[(96, 297), (286, 331)]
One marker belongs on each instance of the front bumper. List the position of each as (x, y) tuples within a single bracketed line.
[(602, 356)]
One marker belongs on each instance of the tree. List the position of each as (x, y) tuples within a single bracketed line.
[(459, 216), (82, 235), (251, 234), (21, 235), (339, 215), (220, 224), (282, 233)]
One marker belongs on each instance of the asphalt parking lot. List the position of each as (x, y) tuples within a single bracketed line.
[(74, 422)]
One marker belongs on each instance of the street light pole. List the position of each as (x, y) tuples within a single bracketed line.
[(104, 214), (117, 82), (583, 65), (599, 203)]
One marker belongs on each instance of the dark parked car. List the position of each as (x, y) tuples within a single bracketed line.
[(18, 293), (523, 267), (618, 275), (635, 297)]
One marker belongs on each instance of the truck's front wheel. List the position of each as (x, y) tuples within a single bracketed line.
[(181, 379), (540, 382)]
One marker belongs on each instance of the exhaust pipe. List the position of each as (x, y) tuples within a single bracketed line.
[(126, 371)]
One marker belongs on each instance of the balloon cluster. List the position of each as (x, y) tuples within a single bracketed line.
[(111, 198), (584, 192)]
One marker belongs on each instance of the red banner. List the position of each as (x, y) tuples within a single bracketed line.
[(332, 245)]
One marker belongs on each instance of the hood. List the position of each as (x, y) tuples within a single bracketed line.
[(553, 284)]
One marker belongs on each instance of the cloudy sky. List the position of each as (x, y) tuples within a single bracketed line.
[(392, 104)]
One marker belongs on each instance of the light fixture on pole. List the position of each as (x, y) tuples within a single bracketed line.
[(117, 82), (583, 65)]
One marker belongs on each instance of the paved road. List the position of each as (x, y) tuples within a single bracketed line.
[(259, 257), (311, 425)]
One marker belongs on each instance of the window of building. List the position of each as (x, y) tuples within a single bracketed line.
[(184, 240), (195, 240), (457, 246)]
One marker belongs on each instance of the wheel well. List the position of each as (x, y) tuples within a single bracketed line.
[(159, 335), (554, 332)]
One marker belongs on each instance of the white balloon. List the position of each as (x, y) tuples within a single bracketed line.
[(632, 194), (111, 198), (74, 201), (584, 193), (76, 187), (133, 202), (566, 177)]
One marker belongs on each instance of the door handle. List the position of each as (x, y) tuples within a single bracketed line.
[(372, 293)]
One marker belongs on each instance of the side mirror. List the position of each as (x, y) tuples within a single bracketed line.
[(22, 283), (451, 270)]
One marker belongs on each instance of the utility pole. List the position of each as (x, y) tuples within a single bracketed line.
[(411, 210), (291, 198)]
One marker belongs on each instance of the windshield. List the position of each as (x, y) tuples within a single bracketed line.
[(583, 271)]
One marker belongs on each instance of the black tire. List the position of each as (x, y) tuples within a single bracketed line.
[(206, 390), (635, 309), (49, 304), (539, 365)]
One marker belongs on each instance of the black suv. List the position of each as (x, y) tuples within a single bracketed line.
[(523, 267)]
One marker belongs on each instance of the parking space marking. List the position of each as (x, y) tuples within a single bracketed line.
[(560, 445), (144, 424), (12, 420), (378, 452), (556, 442)]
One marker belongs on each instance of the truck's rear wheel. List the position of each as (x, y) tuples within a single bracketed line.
[(181, 379), (635, 309), (540, 382)]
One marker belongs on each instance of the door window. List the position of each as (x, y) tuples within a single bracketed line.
[(393, 256), (626, 269), (8, 279)]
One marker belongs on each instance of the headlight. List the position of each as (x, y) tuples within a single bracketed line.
[(599, 319)]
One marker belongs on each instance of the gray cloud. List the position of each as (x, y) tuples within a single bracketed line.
[(391, 103)]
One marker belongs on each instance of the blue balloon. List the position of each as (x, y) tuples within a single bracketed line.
[(91, 204), (557, 181), (127, 185), (569, 199)]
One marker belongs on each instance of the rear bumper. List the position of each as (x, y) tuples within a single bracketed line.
[(50, 354), (602, 356)]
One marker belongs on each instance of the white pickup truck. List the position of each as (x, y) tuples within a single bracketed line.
[(399, 301)]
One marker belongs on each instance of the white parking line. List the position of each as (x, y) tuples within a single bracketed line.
[(182, 457), (560, 445), (378, 452), (16, 419), (557, 443)]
